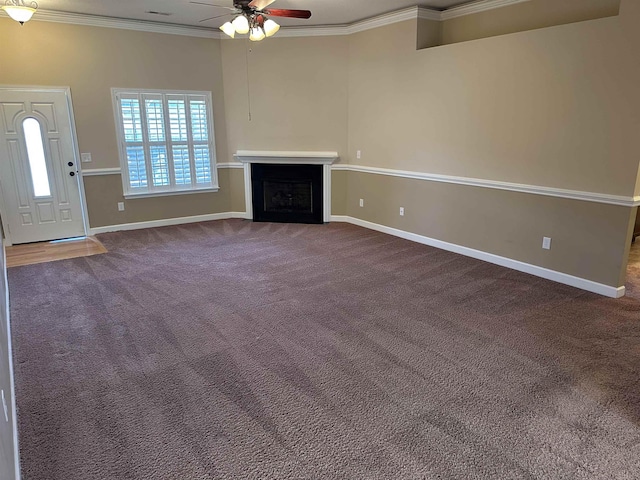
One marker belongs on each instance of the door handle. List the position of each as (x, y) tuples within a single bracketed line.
[(70, 164), (72, 174)]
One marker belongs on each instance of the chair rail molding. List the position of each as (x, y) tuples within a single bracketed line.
[(620, 200)]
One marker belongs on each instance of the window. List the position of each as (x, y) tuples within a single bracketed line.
[(37, 162), (166, 141)]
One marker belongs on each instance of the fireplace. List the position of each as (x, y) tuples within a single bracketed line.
[(287, 193), (284, 186)]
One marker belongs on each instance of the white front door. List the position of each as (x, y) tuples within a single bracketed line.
[(38, 167)]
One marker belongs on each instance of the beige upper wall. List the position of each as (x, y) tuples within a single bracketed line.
[(525, 16), (630, 19), (93, 60), (555, 107), (298, 92)]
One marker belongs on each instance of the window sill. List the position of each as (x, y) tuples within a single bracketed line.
[(171, 192)]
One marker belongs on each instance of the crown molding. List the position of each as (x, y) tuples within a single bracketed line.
[(410, 13), (476, 7), (124, 23), (405, 14), (429, 14)]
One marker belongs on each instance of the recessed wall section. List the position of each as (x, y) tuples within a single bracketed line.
[(519, 17)]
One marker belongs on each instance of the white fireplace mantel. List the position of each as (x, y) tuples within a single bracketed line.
[(247, 157), (306, 158)]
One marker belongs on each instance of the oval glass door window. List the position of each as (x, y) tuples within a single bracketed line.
[(37, 162)]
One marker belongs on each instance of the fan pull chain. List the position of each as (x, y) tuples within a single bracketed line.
[(248, 51)]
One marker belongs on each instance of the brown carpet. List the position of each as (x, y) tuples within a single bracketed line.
[(240, 350)]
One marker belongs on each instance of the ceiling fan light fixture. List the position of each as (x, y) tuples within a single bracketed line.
[(18, 11), (257, 34), (270, 27), (241, 24), (229, 29)]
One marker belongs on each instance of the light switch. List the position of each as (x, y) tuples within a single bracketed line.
[(85, 157)]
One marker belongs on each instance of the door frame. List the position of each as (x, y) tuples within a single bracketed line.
[(75, 150)]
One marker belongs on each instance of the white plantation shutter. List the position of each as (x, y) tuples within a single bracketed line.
[(166, 141)]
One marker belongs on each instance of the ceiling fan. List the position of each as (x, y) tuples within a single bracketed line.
[(252, 18)]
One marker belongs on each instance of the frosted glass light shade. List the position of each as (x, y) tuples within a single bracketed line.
[(229, 29), (271, 27), (19, 13), (241, 24), (257, 34)]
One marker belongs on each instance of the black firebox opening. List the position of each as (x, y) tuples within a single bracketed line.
[(287, 193)]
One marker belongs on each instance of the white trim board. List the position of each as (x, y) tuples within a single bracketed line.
[(94, 172), (410, 13), (286, 157), (535, 270), (476, 7), (498, 185), (167, 222), (124, 24), (230, 165)]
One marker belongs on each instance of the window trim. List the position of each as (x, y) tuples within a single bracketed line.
[(151, 190)]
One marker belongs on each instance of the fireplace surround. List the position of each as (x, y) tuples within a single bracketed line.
[(287, 193), (286, 186)]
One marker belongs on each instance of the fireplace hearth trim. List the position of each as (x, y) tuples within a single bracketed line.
[(326, 159)]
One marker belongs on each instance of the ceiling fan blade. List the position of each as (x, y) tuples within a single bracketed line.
[(212, 5), (260, 4), (280, 12), (211, 18)]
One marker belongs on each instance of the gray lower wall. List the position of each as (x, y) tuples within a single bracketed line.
[(589, 240), (103, 192), (8, 467)]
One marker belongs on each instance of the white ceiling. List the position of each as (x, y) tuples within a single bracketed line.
[(325, 12)]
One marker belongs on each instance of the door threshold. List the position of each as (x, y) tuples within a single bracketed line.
[(42, 252)]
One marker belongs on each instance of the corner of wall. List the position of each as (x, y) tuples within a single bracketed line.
[(9, 459), (428, 34)]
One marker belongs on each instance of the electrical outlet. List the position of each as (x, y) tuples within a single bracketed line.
[(358, 154), (362, 202), (121, 206), (402, 211), (4, 407), (546, 243), (85, 157)]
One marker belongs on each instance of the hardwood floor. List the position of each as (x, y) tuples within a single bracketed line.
[(633, 271), (30, 253)]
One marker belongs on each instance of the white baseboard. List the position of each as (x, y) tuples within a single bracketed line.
[(167, 222), (542, 272)]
